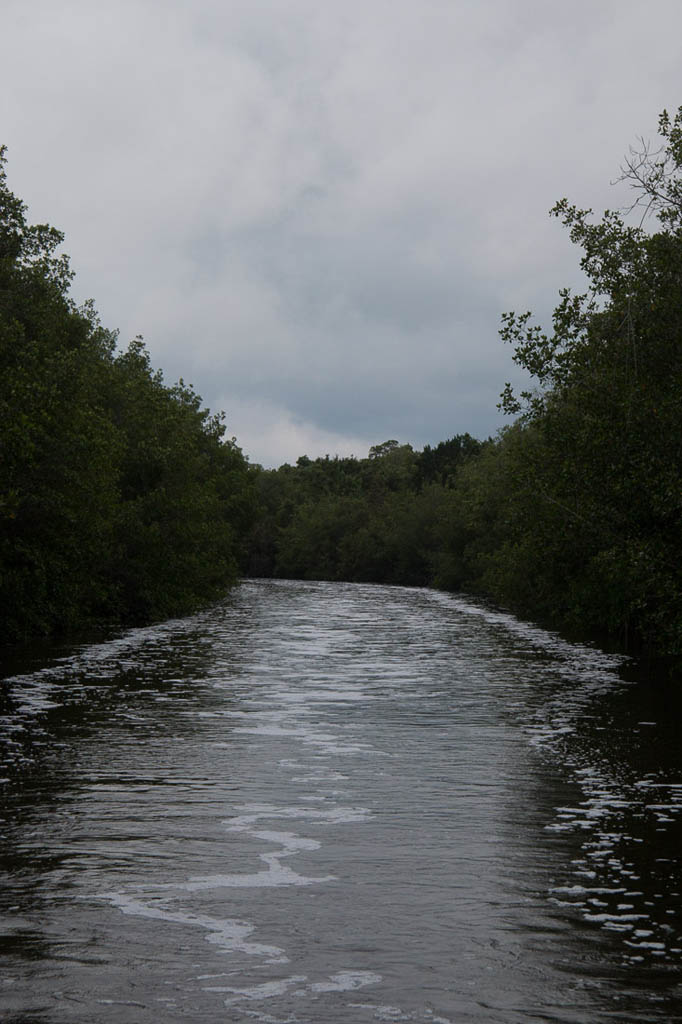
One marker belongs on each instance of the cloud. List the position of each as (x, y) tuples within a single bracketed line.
[(270, 433), (317, 212)]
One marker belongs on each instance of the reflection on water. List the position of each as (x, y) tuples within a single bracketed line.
[(341, 803)]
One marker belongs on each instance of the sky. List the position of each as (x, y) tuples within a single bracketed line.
[(316, 211)]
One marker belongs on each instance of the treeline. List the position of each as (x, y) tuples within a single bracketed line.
[(120, 499), (377, 519), (572, 515)]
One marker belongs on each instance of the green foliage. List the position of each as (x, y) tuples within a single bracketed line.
[(605, 464), (366, 520), (572, 515), (118, 496), (442, 463)]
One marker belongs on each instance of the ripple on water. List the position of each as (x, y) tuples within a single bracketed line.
[(496, 850)]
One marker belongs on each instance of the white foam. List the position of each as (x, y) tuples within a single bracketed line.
[(229, 935), (266, 990), (391, 1014), (321, 776), (328, 743), (584, 890), (336, 815), (276, 875), (345, 981), (600, 918)]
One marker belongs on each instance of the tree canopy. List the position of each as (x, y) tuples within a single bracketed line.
[(119, 497), (605, 459), (574, 513)]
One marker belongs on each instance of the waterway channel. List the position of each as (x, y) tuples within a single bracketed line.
[(339, 803)]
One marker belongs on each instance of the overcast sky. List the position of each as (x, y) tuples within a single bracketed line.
[(315, 211)]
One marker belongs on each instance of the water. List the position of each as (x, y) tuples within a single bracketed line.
[(339, 803)]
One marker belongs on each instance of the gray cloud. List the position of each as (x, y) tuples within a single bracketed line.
[(317, 212)]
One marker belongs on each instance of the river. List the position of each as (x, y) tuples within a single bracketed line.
[(339, 803)]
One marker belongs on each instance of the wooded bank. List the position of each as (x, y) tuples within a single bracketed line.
[(120, 498)]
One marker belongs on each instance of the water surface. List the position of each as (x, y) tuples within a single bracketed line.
[(340, 803)]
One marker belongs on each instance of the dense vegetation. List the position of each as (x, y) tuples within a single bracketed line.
[(375, 519), (119, 498), (574, 513)]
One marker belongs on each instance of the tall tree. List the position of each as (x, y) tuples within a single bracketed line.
[(119, 497), (607, 407)]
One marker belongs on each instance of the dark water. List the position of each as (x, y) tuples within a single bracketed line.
[(339, 803)]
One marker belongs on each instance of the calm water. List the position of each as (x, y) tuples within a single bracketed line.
[(339, 803)]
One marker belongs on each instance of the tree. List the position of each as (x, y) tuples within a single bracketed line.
[(119, 497), (607, 405), (58, 449)]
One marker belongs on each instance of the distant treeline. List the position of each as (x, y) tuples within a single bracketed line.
[(121, 500), (572, 515), (383, 519)]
